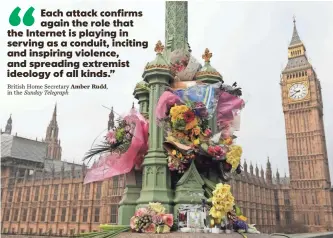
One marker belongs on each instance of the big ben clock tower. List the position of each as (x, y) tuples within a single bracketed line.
[(306, 144)]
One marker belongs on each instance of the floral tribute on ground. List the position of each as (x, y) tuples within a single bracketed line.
[(224, 211), (151, 219), (124, 148)]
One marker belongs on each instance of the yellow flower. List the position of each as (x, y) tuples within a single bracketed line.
[(196, 142), (157, 207), (175, 110), (233, 156), (211, 222), (166, 229), (227, 141), (183, 108), (222, 201), (242, 218), (212, 212), (174, 152)]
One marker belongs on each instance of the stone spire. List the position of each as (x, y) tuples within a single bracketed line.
[(277, 176), (295, 40), (52, 130), (257, 170), (54, 148), (297, 58), (245, 166), (268, 171), (111, 120), (251, 168), (176, 25), (262, 173), (8, 129)]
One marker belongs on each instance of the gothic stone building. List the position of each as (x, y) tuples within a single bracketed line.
[(40, 194)]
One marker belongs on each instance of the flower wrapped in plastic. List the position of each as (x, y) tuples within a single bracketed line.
[(185, 113), (124, 147), (227, 111), (151, 219), (187, 128), (222, 203), (183, 65), (179, 156)]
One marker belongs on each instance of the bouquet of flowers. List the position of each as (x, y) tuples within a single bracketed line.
[(227, 152), (238, 222), (179, 64), (117, 140), (151, 219), (121, 135), (222, 203), (123, 149), (178, 161), (184, 113), (183, 65), (188, 126)]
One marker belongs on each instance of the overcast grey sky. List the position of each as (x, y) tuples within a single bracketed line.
[(249, 42)]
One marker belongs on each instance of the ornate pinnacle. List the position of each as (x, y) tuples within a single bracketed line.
[(207, 55), (159, 47)]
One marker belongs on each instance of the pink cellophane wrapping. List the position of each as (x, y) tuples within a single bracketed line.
[(236, 122), (114, 164), (167, 100), (227, 107)]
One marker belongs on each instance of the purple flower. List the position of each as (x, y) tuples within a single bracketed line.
[(240, 225)]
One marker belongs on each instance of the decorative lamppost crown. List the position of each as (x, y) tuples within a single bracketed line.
[(207, 55), (160, 64), (159, 47), (207, 73)]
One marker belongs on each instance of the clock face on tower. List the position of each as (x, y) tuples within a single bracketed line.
[(298, 91)]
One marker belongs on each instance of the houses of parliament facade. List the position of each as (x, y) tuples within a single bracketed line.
[(41, 194)]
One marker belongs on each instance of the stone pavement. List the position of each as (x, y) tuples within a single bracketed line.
[(195, 235), (190, 235)]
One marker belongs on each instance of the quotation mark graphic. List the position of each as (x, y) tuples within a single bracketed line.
[(28, 18)]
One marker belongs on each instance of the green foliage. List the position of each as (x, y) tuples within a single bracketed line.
[(99, 149), (175, 225), (204, 146), (179, 125), (204, 124), (238, 211), (120, 134), (108, 231)]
